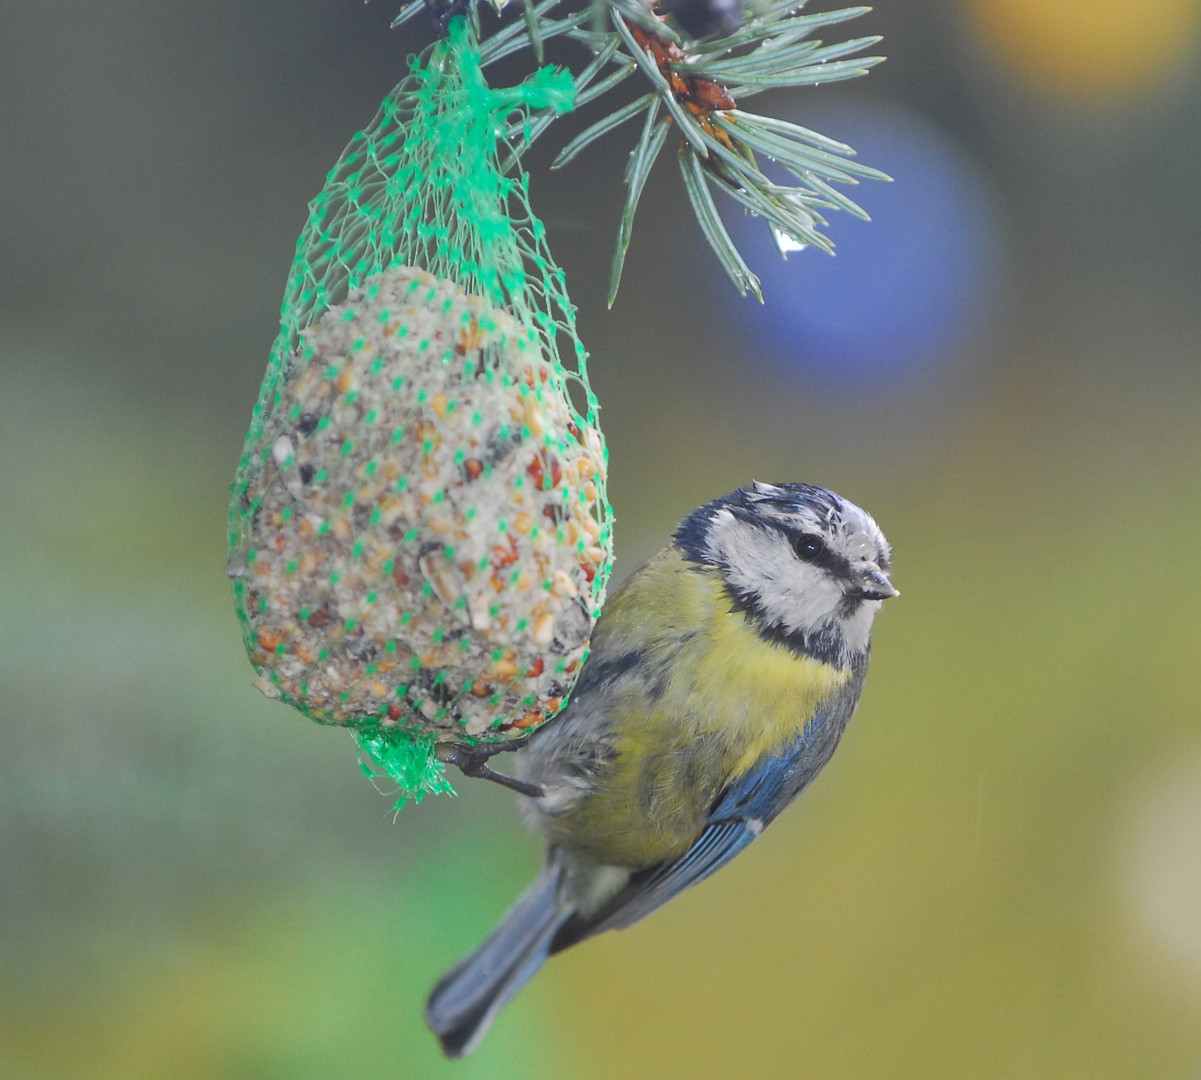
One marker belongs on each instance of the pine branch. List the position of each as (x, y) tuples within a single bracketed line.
[(695, 85)]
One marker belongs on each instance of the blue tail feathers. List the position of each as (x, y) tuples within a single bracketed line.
[(461, 1008)]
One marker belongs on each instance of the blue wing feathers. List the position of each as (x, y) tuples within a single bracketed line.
[(739, 815)]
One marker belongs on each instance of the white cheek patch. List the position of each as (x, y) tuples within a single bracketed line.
[(791, 594)]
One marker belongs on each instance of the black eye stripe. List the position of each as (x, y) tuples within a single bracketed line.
[(693, 536), (828, 560)]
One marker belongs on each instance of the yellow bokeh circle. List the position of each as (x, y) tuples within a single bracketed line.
[(1098, 49)]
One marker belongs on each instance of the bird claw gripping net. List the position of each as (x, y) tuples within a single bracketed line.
[(419, 534)]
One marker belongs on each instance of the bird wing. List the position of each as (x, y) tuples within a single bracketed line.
[(651, 888), (739, 816)]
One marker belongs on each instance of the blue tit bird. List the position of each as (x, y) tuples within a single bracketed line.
[(721, 677)]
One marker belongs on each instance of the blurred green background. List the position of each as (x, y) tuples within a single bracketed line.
[(1000, 873)]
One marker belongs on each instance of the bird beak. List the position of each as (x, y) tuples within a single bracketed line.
[(871, 583)]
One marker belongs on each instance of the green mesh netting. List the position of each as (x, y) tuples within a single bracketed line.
[(419, 534)]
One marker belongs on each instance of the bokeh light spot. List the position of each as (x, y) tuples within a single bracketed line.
[(1089, 49), (902, 291), (1164, 865)]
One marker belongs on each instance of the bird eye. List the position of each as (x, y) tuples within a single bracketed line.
[(808, 546)]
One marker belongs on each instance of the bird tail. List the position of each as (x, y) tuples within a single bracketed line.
[(461, 1008)]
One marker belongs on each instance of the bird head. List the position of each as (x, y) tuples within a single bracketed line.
[(808, 568)]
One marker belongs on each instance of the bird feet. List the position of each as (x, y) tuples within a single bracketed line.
[(473, 761)]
